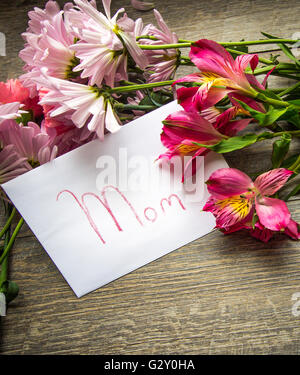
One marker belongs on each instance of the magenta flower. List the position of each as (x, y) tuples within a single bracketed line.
[(11, 164), (162, 63), (184, 131), (219, 75), (235, 199), (29, 142)]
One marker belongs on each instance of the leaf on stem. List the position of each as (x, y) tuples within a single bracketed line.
[(280, 149)]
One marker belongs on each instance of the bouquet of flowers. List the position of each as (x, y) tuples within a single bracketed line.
[(87, 73)]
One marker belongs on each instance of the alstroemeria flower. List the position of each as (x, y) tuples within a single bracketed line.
[(104, 25), (219, 75), (184, 131), (235, 198), (84, 105), (11, 164)]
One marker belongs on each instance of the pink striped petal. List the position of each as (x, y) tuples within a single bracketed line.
[(226, 182), (270, 182), (209, 56), (191, 126), (242, 61), (273, 213)]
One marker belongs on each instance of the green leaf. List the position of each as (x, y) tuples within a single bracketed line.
[(289, 161), (232, 144), (292, 116), (10, 289), (280, 149), (286, 50), (264, 119)]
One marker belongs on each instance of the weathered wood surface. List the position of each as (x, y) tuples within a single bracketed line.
[(217, 295)]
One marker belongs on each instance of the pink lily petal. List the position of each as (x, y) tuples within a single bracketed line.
[(261, 233), (226, 182), (231, 128), (200, 98), (270, 182), (249, 101), (242, 61), (194, 77), (293, 230), (229, 211), (273, 213), (191, 126), (209, 56), (267, 76), (254, 82)]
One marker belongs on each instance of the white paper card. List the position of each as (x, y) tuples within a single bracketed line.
[(100, 211)]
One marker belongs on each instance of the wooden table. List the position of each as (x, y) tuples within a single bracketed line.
[(218, 295)]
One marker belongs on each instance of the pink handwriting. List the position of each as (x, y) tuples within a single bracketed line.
[(150, 213)]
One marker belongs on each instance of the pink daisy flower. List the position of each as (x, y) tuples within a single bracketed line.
[(11, 164)]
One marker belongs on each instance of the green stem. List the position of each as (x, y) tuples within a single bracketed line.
[(12, 240), (128, 107), (294, 167), (4, 265), (292, 132), (8, 222), (140, 87), (289, 89), (275, 102), (224, 44)]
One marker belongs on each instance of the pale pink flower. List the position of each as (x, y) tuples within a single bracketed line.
[(50, 49), (83, 104), (9, 111), (37, 16), (105, 26), (29, 141), (162, 62), (11, 164), (142, 5)]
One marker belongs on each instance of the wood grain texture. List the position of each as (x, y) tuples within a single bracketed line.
[(217, 295)]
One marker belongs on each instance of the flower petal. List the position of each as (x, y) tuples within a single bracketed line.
[(273, 213), (270, 182), (230, 211), (242, 61), (226, 182), (210, 56), (293, 230)]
